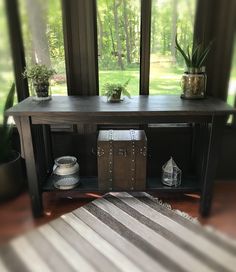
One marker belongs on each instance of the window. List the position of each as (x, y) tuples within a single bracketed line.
[(43, 38), (6, 75), (119, 42), (232, 80), (166, 66), (231, 99)]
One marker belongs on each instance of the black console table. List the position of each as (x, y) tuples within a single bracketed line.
[(210, 115)]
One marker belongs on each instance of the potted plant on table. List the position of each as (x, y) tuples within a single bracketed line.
[(40, 76), (194, 79), (113, 91), (11, 173)]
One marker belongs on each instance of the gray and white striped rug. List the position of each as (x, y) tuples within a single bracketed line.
[(120, 232)]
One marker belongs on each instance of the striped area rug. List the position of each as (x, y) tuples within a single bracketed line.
[(120, 232)]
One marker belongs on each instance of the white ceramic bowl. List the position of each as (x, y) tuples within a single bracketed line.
[(66, 165)]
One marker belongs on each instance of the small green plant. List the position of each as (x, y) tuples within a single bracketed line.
[(6, 130), (39, 73), (196, 56), (113, 91)]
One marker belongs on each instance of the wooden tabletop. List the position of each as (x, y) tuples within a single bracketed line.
[(137, 105)]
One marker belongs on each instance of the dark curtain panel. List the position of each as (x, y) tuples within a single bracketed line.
[(80, 38), (215, 21)]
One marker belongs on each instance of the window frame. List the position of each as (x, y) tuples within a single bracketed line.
[(86, 70), (145, 46), (17, 48), (81, 71)]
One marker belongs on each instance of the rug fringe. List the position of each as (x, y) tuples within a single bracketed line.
[(168, 206), (195, 220), (187, 216)]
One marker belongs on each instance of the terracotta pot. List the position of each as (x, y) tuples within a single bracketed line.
[(12, 177)]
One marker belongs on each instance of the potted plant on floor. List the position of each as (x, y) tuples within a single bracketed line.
[(11, 171), (113, 91), (40, 76), (194, 79)]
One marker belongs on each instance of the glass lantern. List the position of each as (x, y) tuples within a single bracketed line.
[(171, 174)]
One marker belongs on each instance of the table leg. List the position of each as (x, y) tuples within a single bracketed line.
[(48, 147), (19, 128), (210, 162), (30, 159)]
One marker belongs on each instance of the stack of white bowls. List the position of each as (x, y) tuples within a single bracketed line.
[(66, 173)]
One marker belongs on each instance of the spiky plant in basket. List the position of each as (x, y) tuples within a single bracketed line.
[(194, 56)]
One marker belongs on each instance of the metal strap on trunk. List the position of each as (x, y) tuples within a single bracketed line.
[(110, 161), (133, 159), (132, 135)]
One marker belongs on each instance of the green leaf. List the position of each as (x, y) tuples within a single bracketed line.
[(197, 57), (188, 53), (204, 54), (178, 47), (9, 102), (126, 93), (111, 88), (39, 73), (195, 51), (126, 83)]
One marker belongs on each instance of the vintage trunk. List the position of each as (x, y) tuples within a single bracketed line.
[(122, 160)]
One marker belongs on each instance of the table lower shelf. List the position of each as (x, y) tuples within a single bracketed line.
[(90, 184)]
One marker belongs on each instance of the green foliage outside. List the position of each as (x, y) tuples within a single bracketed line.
[(232, 82), (50, 24), (6, 73), (118, 44)]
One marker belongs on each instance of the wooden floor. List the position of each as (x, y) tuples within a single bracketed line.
[(16, 218)]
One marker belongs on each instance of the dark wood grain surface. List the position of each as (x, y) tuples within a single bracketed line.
[(138, 110), (136, 106), (90, 185)]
